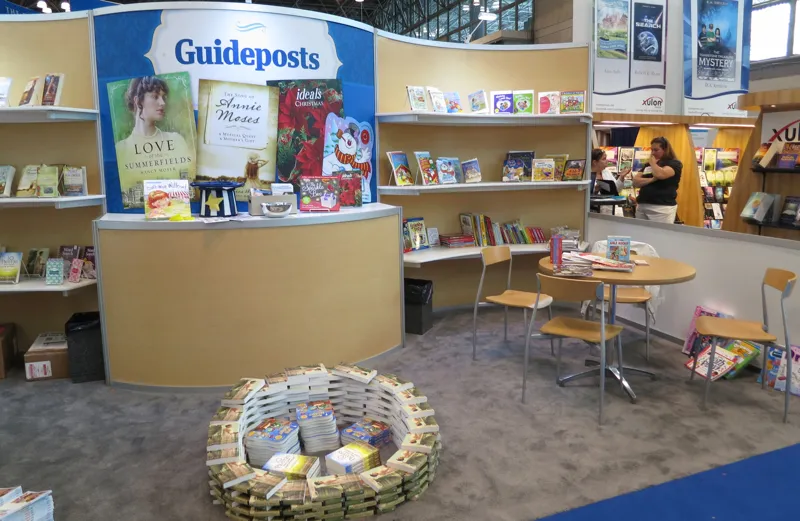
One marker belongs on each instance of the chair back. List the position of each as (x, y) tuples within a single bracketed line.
[(569, 290), (495, 254), (782, 280)]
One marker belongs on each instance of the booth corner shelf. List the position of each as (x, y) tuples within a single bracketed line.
[(59, 203), (482, 187), (39, 286), (466, 118), (762, 170), (45, 114)]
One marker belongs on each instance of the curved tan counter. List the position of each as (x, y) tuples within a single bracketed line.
[(190, 304)]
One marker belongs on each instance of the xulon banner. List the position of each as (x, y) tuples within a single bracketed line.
[(716, 61), (630, 56)]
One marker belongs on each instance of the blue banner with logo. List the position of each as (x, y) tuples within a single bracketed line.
[(150, 63), (7, 7)]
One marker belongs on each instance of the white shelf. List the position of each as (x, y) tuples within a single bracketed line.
[(438, 118), (45, 114), (39, 286), (482, 187), (416, 259), (59, 203)]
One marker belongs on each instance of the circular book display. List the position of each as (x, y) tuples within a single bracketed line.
[(346, 415)]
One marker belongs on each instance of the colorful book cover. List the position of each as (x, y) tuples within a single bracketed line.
[(10, 266), (502, 102), (417, 233), (513, 170), (612, 158), (416, 98), (648, 31), (526, 156), (709, 159), (293, 466), (523, 102), (573, 102), (549, 102), (774, 357), (717, 40), (453, 102), (348, 146), (625, 158), (694, 341), (745, 352), (543, 169), (400, 168), (319, 193), (350, 184), (619, 248), (54, 271), (574, 170), (427, 168), (154, 130), (448, 169), (32, 94), (752, 206), (724, 361), (641, 158), (788, 161), (560, 163), (407, 461), (472, 171), (612, 29), (53, 87), (790, 214), (760, 153), (780, 381), (166, 200), (478, 102), (437, 100), (73, 179), (37, 259)]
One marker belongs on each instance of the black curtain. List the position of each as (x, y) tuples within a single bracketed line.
[(623, 137)]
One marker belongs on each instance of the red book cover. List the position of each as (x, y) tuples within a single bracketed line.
[(489, 231), (319, 194), (350, 184)]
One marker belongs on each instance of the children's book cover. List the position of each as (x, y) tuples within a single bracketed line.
[(625, 159), (400, 168), (154, 130), (574, 170), (774, 356), (724, 361), (453, 101), (543, 169), (523, 102), (427, 169), (478, 102), (502, 102), (560, 163), (350, 188), (167, 199), (416, 98), (549, 102), (612, 158), (526, 156), (438, 102), (780, 382), (417, 234), (641, 158), (694, 341), (513, 170), (619, 249), (303, 108), (10, 266), (472, 171), (573, 102), (319, 193), (745, 352), (348, 146), (447, 170)]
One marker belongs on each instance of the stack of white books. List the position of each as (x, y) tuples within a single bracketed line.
[(354, 372), (293, 466), (231, 421), (355, 457), (318, 428), (27, 506), (271, 436)]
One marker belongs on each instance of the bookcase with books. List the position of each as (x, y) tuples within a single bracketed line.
[(480, 156), (50, 172)]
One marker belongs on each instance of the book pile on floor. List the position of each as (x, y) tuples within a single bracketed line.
[(16, 505), (270, 437), (231, 421), (355, 457), (293, 466), (374, 432), (317, 423)]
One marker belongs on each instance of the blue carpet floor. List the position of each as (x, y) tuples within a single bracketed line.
[(761, 487)]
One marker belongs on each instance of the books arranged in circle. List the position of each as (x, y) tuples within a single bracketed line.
[(407, 461), (419, 442), (355, 372), (242, 392), (368, 430), (318, 426), (355, 457), (28, 506), (270, 437), (293, 466)]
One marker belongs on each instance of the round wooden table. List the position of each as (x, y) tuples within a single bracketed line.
[(657, 272)]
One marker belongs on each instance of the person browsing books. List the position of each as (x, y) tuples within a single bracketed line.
[(658, 184), (608, 184)]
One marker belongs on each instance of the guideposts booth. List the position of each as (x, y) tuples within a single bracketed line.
[(191, 304)]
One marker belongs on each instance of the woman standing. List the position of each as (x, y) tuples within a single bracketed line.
[(600, 172), (658, 188)]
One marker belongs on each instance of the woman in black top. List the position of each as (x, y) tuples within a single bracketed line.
[(658, 184)]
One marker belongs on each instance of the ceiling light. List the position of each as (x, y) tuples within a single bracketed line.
[(476, 2), (41, 4), (725, 125), (360, 1), (65, 6), (465, 7), (47, 10), (635, 123), (489, 17), (67, 9)]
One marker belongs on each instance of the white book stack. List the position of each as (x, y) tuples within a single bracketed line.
[(231, 421), (271, 436), (318, 428), (293, 466), (28, 506), (355, 457)]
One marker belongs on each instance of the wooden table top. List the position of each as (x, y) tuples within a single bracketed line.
[(660, 271)]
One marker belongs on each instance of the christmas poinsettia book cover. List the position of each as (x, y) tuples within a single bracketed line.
[(350, 188), (303, 107), (319, 194)]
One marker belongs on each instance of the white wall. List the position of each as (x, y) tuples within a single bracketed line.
[(582, 21), (729, 273)]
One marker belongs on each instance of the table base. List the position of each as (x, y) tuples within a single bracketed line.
[(613, 372)]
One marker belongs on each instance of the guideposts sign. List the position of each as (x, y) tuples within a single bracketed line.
[(210, 94), (630, 56), (716, 56)]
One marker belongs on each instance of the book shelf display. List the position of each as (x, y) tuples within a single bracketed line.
[(258, 418), (485, 137), (65, 133)]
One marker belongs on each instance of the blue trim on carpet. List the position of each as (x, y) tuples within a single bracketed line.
[(742, 491)]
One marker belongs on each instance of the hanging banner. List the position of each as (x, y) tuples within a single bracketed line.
[(630, 56), (7, 7), (716, 56)]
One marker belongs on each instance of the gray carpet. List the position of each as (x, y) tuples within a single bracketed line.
[(120, 455)]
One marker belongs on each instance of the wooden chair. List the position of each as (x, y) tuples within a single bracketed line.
[(728, 328), (509, 298)]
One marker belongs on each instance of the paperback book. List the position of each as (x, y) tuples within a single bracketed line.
[(574, 170), (612, 158), (549, 102), (619, 248), (167, 200), (73, 180), (502, 102), (27, 182), (453, 102), (400, 168), (543, 169), (448, 169), (416, 98), (53, 87), (32, 94), (513, 170), (414, 234), (526, 157), (573, 102), (625, 159), (438, 102), (790, 213), (781, 380), (724, 361), (350, 184), (745, 353), (36, 262), (559, 164), (472, 171), (293, 466), (478, 102), (523, 102), (47, 181), (10, 267)]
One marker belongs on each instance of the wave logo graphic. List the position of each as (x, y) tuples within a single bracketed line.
[(246, 28), (789, 132), (653, 101)]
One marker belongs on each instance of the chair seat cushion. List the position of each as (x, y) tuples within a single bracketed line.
[(629, 295), (520, 299), (734, 329), (579, 328)]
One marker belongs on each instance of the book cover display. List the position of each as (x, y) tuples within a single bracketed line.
[(348, 146), (717, 39), (549, 102), (438, 102), (478, 102), (154, 132), (449, 169), (526, 157), (612, 158), (400, 168), (53, 87), (472, 171), (426, 168), (574, 170), (648, 33), (544, 169), (559, 163), (10, 267), (513, 170), (573, 102), (416, 98), (319, 194), (523, 102), (414, 234), (166, 200), (453, 101), (237, 127), (32, 95), (502, 102), (612, 29)]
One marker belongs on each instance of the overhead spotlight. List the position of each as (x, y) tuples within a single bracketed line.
[(65, 6), (465, 7), (67, 9), (41, 4), (476, 2), (360, 1), (47, 10), (495, 5)]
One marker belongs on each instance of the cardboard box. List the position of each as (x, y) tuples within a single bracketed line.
[(47, 358), (8, 347)]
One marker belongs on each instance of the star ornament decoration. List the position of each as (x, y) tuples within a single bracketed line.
[(212, 202)]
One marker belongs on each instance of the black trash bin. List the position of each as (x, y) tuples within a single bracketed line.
[(419, 305), (85, 347)]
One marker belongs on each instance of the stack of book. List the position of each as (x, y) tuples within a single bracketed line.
[(456, 241), (355, 457), (229, 474), (388, 486), (368, 430), (596, 262), (231, 421), (293, 466), (318, 428), (341, 497), (27, 506), (270, 437), (354, 372)]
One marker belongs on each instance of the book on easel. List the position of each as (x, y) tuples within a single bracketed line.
[(401, 171), (427, 168)]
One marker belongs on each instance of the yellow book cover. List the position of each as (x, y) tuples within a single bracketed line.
[(27, 182), (543, 169), (47, 181), (559, 163), (167, 199)]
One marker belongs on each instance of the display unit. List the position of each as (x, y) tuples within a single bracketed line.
[(487, 137), (62, 134)]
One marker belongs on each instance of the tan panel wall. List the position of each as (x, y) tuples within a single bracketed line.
[(26, 228), (552, 21), (468, 70), (52, 143), (204, 308), (30, 49)]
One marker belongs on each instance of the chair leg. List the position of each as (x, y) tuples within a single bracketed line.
[(505, 325), (618, 341), (558, 359), (552, 342), (525, 364), (764, 366), (788, 383), (602, 379), (646, 332), (475, 334), (694, 366), (710, 370)]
